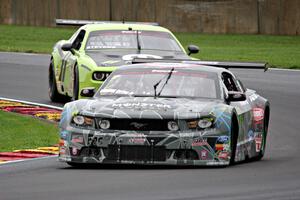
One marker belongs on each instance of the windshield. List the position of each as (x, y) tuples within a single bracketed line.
[(181, 83), (147, 40)]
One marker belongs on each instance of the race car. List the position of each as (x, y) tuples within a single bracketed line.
[(166, 114), (97, 48)]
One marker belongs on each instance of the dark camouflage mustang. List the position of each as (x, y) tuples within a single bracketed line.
[(165, 114)]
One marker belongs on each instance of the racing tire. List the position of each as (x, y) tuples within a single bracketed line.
[(76, 165), (233, 140), (264, 138), (52, 88), (75, 84)]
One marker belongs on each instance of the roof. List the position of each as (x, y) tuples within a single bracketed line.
[(116, 26)]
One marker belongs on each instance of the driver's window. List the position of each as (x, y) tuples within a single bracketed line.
[(71, 40), (78, 40), (230, 82)]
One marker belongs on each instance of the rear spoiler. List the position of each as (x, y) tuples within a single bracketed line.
[(220, 64), (73, 22)]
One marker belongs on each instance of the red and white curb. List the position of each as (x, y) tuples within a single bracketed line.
[(37, 110)]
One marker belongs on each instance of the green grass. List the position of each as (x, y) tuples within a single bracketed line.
[(25, 132), (280, 51), (31, 39)]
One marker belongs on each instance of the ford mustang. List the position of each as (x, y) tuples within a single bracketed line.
[(97, 48), (165, 114)]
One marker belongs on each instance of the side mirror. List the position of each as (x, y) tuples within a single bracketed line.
[(235, 96), (66, 47), (193, 49), (88, 92)]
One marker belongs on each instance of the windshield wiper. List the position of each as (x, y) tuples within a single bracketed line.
[(155, 85), (138, 42)]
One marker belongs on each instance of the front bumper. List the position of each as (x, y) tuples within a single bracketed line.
[(207, 147)]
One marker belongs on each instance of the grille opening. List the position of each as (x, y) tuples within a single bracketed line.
[(136, 153), (186, 154), (90, 151), (139, 124)]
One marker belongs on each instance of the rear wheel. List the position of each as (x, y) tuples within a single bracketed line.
[(233, 137), (52, 88), (75, 84)]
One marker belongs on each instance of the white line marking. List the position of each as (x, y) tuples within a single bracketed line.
[(26, 54), (31, 103), (279, 69)]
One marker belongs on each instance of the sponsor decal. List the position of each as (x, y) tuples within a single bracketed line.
[(253, 97), (219, 147), (74, 151), (250, 134), (140, 105), (203, 154), (258, 142), (137, 140), (223, 155), (258, 114), (62, 150), (223, 139), (200, 142), (77, 139), (64, 134), (130, 57)]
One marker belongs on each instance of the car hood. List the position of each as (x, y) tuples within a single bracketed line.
[(147, 107), (121, 57)]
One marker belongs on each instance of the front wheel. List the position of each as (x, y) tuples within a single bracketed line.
[(263, 139), (233, 140), (52, 88), (75, 84)]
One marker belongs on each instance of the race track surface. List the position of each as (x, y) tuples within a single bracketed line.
[(277, 176)]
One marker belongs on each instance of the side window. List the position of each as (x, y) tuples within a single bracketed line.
[(71, 40), (230, 82), (78, 40), (241, 86)]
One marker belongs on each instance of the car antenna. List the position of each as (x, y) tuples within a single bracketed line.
[(155, 85)]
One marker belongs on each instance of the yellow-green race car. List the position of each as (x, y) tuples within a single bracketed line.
[(98, 48)]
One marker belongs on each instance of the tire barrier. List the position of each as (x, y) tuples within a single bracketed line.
[(40, 111)]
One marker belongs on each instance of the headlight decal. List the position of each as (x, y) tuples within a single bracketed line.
[(83, 121), (202, 123)]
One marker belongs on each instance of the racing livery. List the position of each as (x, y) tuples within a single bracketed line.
[(96, 49), (165, 114)]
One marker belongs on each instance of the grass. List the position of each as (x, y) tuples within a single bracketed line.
[(24, 132), (280, 51)]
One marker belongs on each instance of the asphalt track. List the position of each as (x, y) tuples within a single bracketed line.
[(277, 176)]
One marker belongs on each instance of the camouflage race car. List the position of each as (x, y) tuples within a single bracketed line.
[(97, 48), (165, 114)]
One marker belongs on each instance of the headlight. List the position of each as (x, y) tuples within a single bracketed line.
[(80, 120), (173, 126), (104, 124), (100, 76), (205, 122)]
